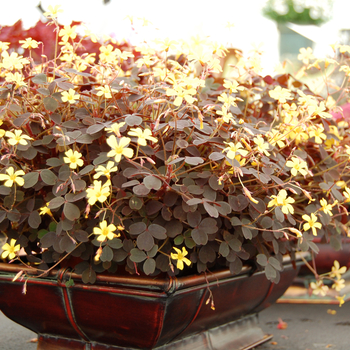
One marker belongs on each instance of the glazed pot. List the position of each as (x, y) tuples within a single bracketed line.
[(132, 312)]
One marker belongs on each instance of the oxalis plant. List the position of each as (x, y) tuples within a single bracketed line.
[(145, 161)]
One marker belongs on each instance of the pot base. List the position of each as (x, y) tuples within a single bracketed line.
[(243, 334)]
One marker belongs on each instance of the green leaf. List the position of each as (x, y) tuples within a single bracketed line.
[(145, 241), (44, 91), (69, 283), (48, 240), (235, 221), (86, 170), (194, 160), (224, 249), (89, 276), (48, 177), (137, 255), (107, 254), (266, 222), (40, 79), (34, 219), (211, 210), (135, 203), (157, 231), (30, 179), (50, 103), (152, 182), (247, 233), (199, 236), (207, 254), (270, 272), (178, 240), (137, 228), (115, 243), (261, 259), (275, 263), (149, 266), (56, 202), (54, 162), (71, 211), (42, 233), (235, 244), (67, 244), (236, 266), (64, 85), (5, 191)]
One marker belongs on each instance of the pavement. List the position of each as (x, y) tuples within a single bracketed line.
[(308, 327)]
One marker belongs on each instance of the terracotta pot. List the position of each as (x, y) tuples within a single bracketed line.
[(143, 313)]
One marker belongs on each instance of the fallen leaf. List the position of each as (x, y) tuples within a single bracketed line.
[(281, 324), (331, 312), (273, 343)]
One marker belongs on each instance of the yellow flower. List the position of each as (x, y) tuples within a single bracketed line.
[(119, 149), (98, 192), (142, 136), (15, 78), (166, 44), (340, 299), (45, 210), (4, 46), (53, 11), (12, 177), (337, 271), (338, 284), (233, 149), (233, 85), (315, 110), (115, 128), (67, 33), (29, 43), (93, 37), (180, 257), (227, 100), (280, 94), (281, 200), (262, 146), (297, 165), (275, 137), (146, 60), (311, 222), (13, 61), (123, 55), (105, 171), (73, 159), (9, 250), (104, 90), (226, 116), (70, 96), (181, 94), (107, 54), (346, 194), (105, 232), (326, 208), (316, 131), (305, 55), (319, 288), (17, 138)]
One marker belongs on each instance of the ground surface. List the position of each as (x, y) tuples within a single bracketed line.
[(309, 327)]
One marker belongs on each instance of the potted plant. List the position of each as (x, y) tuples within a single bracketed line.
[(138, 195), (298, 12)]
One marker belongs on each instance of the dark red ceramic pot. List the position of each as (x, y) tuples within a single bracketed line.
[(142, 312)]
